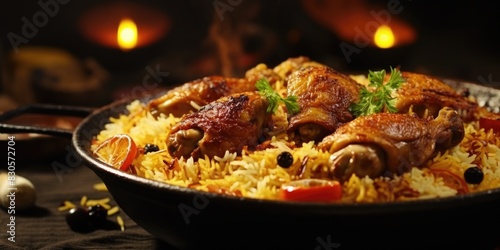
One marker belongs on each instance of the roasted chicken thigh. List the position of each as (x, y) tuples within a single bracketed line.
[(424, 93), (230, 123), (287, 67), (324, 96), (389, 143), (186, 97)]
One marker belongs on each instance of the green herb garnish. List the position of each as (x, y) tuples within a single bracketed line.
[(275, 99), (372, 102)]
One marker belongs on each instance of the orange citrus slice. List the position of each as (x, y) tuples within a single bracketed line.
[(118, 151), (452, 180)]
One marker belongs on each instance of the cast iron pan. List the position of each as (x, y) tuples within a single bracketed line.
[(189, 219)]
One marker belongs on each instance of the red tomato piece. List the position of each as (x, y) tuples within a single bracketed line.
[(488, 123), (312, 190)]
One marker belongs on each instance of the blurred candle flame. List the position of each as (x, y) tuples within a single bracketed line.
[(127, 34), (384, 37), (100, 24)]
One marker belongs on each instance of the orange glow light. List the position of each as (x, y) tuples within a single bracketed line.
[(127, 34), (99, 24), (384, 37)]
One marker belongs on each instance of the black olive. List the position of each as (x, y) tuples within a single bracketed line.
[(150, 148), (285, 159), (97, 214), (77, 219), (465, 92), (473, 175)]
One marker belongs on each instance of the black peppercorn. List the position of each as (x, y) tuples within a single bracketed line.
[(473, 175), (285, 159), (465, 92), (150, 148)]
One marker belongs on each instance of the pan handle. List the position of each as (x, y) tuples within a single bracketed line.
[(38, 108)]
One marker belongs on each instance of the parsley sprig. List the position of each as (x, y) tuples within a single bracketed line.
[(372, 102), (275, 99)]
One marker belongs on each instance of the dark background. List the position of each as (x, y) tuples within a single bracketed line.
[(454, 40)]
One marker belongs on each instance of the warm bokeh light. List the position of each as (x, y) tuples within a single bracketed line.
[(355, 23), (384, 37), (127, 34), (99, 24)]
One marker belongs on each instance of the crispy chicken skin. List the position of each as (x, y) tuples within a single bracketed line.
[(179, 100), (202, 91), (281, 71), (426, 92), (230, 123), (324, 96), (262, 71), (387, 143), (287, 67)]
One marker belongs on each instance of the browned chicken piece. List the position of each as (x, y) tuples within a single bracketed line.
[(287, 67), (185, 98), (324, 96), (262, 71), (230, 123), (426, 92), (387, 144)]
